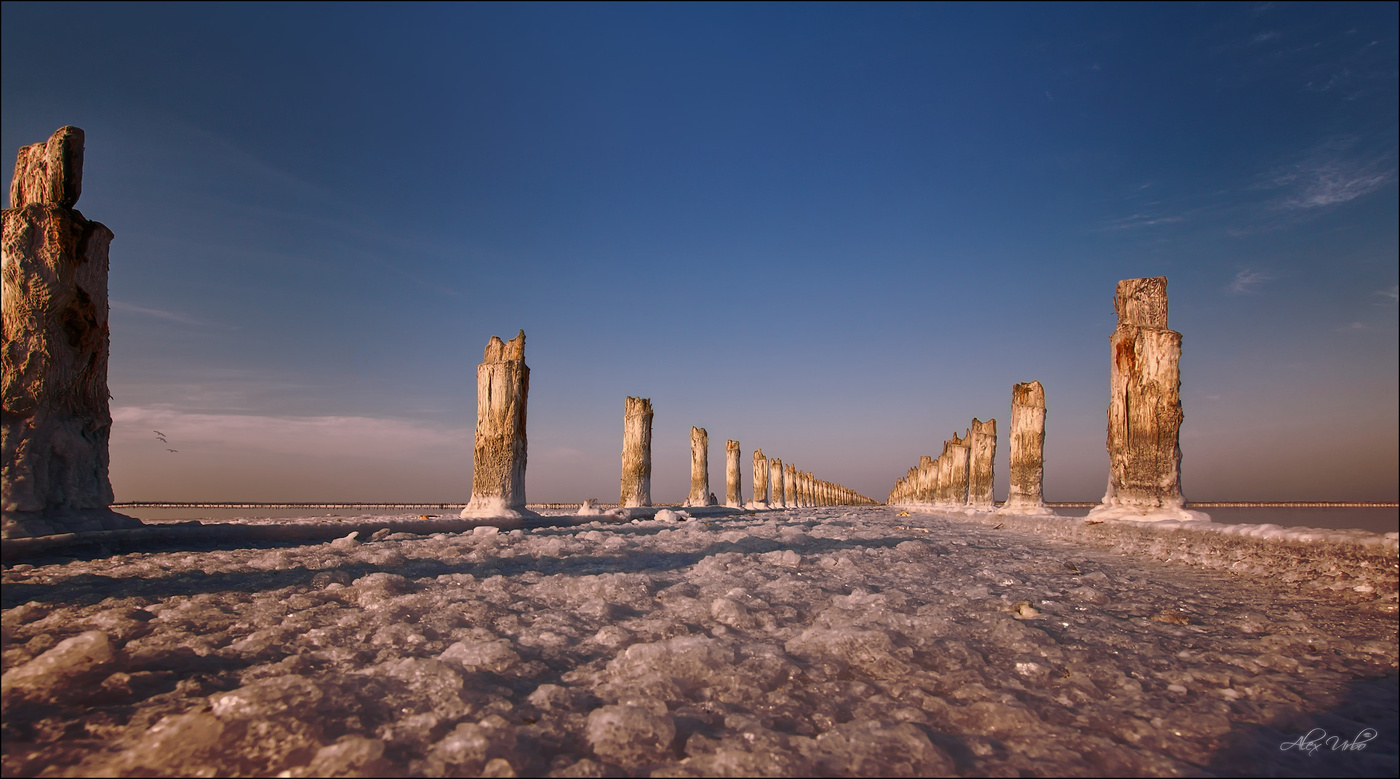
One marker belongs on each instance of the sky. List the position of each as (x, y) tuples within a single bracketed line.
[(834, 232)]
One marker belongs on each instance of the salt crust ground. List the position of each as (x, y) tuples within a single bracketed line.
[(829, 641)]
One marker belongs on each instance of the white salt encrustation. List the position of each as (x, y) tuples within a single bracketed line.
[(1144, 409), (57, 417), (1026, 495), (498, 469), (636, 453)]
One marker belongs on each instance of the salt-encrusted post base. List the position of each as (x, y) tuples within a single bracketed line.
[(31, 524), (489, 508), (1026, 508), (1140, 513)]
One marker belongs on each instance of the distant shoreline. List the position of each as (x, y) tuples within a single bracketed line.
[(1318, 504)]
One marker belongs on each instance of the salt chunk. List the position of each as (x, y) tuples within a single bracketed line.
[(174, 741), (667, 515), (688, 661), (492, 656), (631, 736), (1087, 594), (350, 756), (348, 542), (871, 748), (785, 558), (870, 651), (551, 697), (728, 612), (463, 752), (63, 672), (485, 530)]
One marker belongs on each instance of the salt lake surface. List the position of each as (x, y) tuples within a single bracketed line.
[(824, 641), (1381, 519)]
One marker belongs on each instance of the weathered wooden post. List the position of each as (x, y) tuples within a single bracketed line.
[(1025, 494), (775, 483), (636, 453), (1144, 408), (699, 468), (982, 453), (498, 467), (733, 490), (760, 480), (957, 455), (57, 420)]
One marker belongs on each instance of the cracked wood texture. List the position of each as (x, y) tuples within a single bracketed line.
[(1144, 410), (499, 455), (636, 453), (57, 419)]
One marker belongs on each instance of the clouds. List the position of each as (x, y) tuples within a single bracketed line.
[(1330, 182), (1248, 281), (1334, 172), (155, 313), (1141, 220), (310, 436)]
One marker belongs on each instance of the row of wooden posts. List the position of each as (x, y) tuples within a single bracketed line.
[(498, 476), (774, 485), (1144, 423)]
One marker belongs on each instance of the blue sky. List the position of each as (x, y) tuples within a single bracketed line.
[(836, 232)]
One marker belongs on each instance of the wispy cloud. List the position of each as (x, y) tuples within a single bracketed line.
[(156, 313), (1248, 281), (313, 436), (1140, 221), (1336, 181)]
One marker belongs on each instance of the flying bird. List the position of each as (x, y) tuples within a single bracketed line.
[(172, 450), (161, 436)]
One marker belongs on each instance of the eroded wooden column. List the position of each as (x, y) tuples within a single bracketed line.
[(1144, 409), (1026, 441), (57, 419), (982, 453), (760, 480), (956, 486), (775, 483), (699, 468), (499, 456), (636, 453), (733, 490)]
